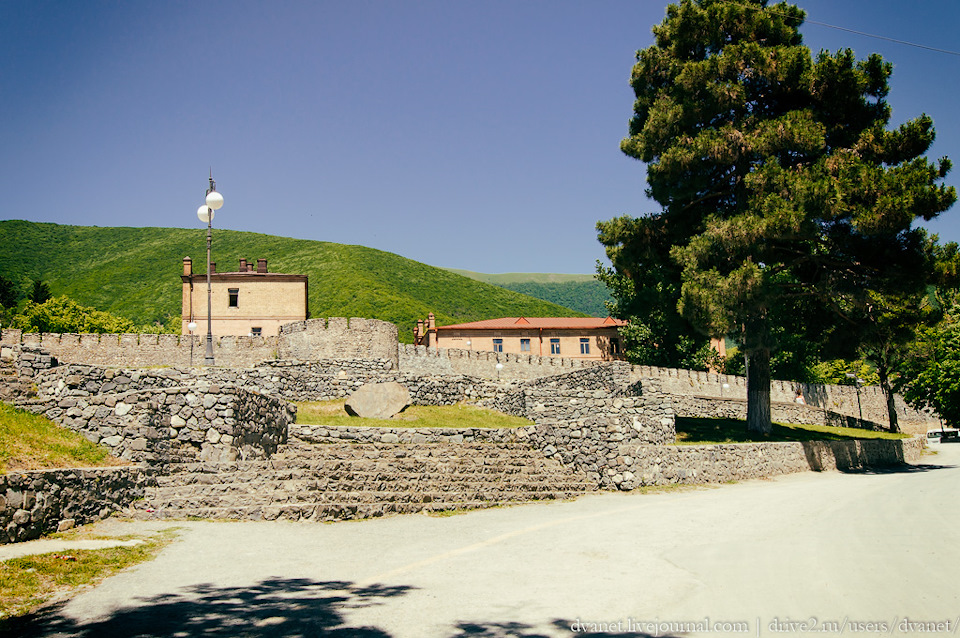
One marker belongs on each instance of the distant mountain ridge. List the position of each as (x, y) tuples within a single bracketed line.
[(579, 292), (135, 273)]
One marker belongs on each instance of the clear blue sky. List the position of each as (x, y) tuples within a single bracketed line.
[(476, 135)]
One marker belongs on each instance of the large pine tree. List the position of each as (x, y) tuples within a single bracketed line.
[(785, 198)]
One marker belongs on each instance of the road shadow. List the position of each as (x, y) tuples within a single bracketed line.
[(899, 469), (273, 607), (863, 457)]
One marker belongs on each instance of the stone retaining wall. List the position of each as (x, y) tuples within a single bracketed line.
[(587, 428), (167, 424), (840, 399), (640, 465), (46, 501), (730, 408), (340, 434)]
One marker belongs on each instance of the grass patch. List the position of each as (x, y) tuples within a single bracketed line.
[(27, 583), (461, 415), (29, 441), (692, 431)]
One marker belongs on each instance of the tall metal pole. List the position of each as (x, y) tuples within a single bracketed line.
[(208, 358)]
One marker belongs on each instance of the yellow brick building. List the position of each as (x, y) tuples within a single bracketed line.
[(250, 301), (572, 337)]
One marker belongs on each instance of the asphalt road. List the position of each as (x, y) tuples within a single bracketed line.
[(875, 553)]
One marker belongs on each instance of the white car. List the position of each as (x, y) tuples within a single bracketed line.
[(936, 436)]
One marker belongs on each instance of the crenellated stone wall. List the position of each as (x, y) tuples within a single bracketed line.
[(336, 337), (339, 338), (358, 339), (840, 399), (735, 408), (475, 363)]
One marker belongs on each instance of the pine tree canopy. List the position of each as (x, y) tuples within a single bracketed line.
[(785, 194)]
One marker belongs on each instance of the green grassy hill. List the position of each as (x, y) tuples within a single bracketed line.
[(135, 273), (505, 278), (580, 292)]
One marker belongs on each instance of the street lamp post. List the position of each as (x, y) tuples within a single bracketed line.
[(205, 213), (191, 327), (858, 382)]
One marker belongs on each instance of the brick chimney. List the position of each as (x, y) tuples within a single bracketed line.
[(187, 266), (262, 265), (213, 267), (243, 265)]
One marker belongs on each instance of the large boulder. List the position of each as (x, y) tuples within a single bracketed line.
[(378, 400)]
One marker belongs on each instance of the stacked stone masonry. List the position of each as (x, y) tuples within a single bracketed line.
[(336, 337), (646, 465), (607, 424), (159, 416), (845, 400), (340, 480), (732, 408), (45, 501)]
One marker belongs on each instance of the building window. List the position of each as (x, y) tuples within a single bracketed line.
[(524, 345), (554, 346), (584, 345), (256, 332), (615, 346), (498, 345), (234, 294)]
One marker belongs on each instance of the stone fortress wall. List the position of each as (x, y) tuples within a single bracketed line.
[(336, 337), (704, 393), (358, 339), (697, 393), (611, 420)]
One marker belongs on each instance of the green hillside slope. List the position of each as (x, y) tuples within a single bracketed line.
[(135, 273), (505, 278), (582, 293), (588, 297)]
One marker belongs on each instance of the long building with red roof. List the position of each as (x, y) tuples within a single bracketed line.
[(574, 337)]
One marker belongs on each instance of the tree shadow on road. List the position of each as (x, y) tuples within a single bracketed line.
[(899, 469), (273, 607)]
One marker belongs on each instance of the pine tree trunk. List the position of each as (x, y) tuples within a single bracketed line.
[(758, 392), (891, 402)]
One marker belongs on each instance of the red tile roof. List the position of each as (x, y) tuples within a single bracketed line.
[(544, 323)]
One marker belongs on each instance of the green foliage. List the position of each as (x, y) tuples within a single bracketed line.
[(506, 278), (657, 334), (9, 295), (786, 202), (588, 297), (62, 314), (931, 371), (135, 273), (40, 292), (837, 371)]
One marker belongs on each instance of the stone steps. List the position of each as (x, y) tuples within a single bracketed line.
[(337, 481), (315, 512)]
